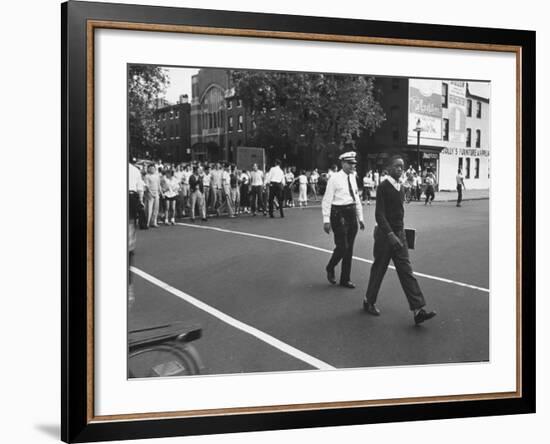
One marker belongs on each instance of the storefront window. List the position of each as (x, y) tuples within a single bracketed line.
[(445, 129), (444, 95)]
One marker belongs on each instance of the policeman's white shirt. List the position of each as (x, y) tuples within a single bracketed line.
[(276, 175), (337, 193), (135, 183)]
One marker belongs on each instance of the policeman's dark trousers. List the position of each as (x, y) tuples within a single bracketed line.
[(343, 221), (459, 190), (276, 191), (383, 252)]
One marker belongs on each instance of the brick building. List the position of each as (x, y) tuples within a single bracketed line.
[(219, 121), (175, 125)]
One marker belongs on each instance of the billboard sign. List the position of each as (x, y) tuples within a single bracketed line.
[(457, 112), (425, 104)]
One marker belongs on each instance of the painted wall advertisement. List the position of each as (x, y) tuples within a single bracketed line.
[(457, 112), (425, 105)]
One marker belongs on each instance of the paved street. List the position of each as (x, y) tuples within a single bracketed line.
[(257, 287)]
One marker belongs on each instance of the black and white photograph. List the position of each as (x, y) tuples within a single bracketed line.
[(288, 221)]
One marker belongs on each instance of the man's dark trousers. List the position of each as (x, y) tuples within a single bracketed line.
[(276, 190), (343, 221), (257, 199), (383, 252)]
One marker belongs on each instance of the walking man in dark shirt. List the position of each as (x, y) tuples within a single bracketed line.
[(390, 243)]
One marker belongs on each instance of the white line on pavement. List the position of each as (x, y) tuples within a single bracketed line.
[(274, 342), (324, 250)]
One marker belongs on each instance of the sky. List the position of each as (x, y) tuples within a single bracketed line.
[(180, 83)]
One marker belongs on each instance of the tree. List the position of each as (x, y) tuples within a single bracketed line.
[(297, 112), (145, 85)]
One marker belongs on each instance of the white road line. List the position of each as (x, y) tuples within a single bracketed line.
[(274, 342), (324, 250)]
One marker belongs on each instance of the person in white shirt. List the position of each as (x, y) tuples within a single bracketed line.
[(418, 185), (342, 209), (152, 195), (206, 183), (135, 202), (314, 180), (276, 184), (368, 183), (185, 194), (459, 187), (256, 191), (216, 184), (170, 189), (302, 183), (178, 174), (287, 189), (429, 180), (226, 192)]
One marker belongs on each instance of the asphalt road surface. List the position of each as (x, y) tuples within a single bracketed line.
[(258, 288)]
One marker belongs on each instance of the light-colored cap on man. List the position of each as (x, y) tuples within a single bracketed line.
[(348, 157)]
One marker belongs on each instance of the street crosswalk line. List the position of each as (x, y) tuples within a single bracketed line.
[(274, 342), (324, 250)]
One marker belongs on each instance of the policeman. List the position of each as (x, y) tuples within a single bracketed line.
[(342, 209)]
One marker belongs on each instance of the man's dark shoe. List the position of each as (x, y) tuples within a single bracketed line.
[(347, 284), (371, 308), (423, 315), (331, 276)]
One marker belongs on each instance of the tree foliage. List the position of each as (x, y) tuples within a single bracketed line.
[(145, 85), (320, 111)]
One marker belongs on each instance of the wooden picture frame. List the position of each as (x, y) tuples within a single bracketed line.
[(79, 22)]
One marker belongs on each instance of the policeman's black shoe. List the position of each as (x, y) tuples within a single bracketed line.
[(331, 277), (371, 308), (271, 215), (347, 284), (423, 315), (204, 219), (282, 215)]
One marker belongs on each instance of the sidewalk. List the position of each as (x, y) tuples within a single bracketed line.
[(450, 196)]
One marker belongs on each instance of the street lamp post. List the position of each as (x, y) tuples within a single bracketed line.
[(418, 130)]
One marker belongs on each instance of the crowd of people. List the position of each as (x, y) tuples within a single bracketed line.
[(201, 189), (414, 184)]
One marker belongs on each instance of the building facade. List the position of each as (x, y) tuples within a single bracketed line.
[(441, 125), (174, 122), (219, 121)]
